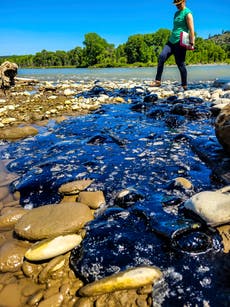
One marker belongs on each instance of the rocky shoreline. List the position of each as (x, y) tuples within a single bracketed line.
[(32, 101), (40, 274)]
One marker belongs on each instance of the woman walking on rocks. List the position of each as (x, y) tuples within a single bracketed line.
[(183, 21)]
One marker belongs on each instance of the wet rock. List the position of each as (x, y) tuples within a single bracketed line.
[(11, 255), (129, 279), (31, 270), (69, 92), (226, 86), (224, 231), (9, 219), (171, 228), (191, 111), (220, 82), (85, 302), (118, 298), (8, 72), (181, 183), (50, 248), (213, 207), (74, 187), (54, 265), (55, 300), (180, 189), (35, 298), (92, 199), (156, 112), (15, 133), (151, 98), (171, 99), (174, 121), (96, 90), (169, 201), (128, 197), (196, 100), (222, 128), (44, 222), (139, 107), (212, 153)]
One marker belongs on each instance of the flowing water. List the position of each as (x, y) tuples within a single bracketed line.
[(195, 73), (140, 150)]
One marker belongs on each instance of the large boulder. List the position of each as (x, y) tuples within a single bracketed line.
[(222, 128), (213, 207), (8, 72)]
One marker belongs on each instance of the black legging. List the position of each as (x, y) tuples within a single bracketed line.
[(179, 54)]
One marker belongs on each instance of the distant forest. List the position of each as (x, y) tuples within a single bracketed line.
[(139, 50)]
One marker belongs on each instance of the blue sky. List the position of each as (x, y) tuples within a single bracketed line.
[(28, 26)]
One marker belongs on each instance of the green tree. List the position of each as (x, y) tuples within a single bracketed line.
[(137, 50), (121, 58), (76, 57), (95, 46), (62, 58), (140, 49)]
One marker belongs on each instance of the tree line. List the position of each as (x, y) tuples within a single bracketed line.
[(139, 50)]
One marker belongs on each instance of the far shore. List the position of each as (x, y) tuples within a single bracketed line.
[(126, 66)]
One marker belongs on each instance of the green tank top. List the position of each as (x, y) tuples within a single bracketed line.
[(179, 25)]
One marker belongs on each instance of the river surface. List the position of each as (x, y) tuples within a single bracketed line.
[(141, 149), (195, 73)]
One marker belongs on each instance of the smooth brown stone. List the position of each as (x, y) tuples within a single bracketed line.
[(225, 234), (74, 187), (92, 199), (14, 133), (130, 279), (53, 220), (11, 255), (10, 216)]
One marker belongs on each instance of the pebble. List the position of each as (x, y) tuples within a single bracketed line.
[(74, 187), (129, 279), (9, 219), (36, 99), (11, 255), (92, 199), (50, 248)]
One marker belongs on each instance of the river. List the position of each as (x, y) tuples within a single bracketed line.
[(195, 73)]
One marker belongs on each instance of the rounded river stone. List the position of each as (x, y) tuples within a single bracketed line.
[(11, 255), (53, 220)]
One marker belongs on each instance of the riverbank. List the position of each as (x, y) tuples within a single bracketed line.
[(36, 102)]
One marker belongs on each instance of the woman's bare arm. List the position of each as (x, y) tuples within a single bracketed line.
[(190, 23)]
